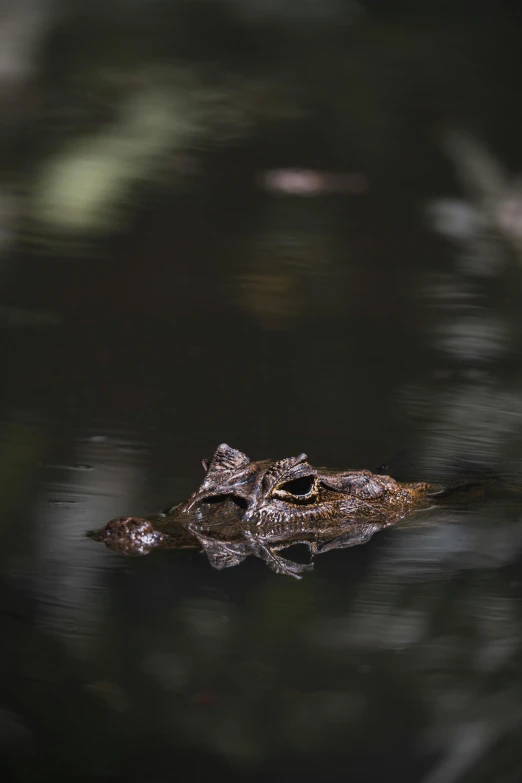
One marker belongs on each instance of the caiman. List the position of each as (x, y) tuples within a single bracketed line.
[(247, 508)]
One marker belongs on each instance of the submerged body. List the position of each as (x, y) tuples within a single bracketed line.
[(247, 508)]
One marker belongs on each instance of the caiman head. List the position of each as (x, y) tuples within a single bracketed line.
[(262, 507), (289, 495), (248, 507)]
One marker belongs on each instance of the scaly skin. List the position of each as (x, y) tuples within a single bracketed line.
[(244, 508)]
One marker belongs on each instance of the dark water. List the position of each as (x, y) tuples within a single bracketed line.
[(355, 326)]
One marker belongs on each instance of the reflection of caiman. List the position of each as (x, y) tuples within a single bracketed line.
[(244, 508)]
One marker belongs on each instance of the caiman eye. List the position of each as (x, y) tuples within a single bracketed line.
[(300, 488)]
